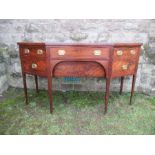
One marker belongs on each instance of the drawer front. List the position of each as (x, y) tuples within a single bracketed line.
[(123, 68), (34, 66), (126, 53), (33, 52), (79, 52)]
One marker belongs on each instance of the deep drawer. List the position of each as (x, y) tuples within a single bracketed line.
[(34, 66), (123, 68)]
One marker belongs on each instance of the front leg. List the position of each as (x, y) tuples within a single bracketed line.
[(121, 86), (25, 88), (36, 82), (132, 88), (50, 93), (107, 94)]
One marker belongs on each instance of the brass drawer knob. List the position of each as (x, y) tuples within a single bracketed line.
[(26, 51), (119, 52), (61, 52), (133, 52), (39, 51), (34, 66), (97, 52), (124, 67)]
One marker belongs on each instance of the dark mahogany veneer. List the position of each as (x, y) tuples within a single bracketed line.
[(79, 60)]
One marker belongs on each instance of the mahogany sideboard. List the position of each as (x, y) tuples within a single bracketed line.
[(79, 60)]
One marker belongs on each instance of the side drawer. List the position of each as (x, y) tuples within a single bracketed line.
[(34, 66), (80, 52), (127, 53), (30, 51), (123, 68)]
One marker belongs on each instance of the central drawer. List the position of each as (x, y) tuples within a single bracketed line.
[(80, 52)]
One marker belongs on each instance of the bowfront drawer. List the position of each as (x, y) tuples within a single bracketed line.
[(126, 53), (33, 52), (79, 52), (35, 66), (123, 68)]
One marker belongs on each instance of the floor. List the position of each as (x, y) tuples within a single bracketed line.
[(76, 113)]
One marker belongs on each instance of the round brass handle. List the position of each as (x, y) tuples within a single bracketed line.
[(133, 52), (26, 51), (61, 52), (119, 52), (39, 51), (124, 67), (34, 66), (97, 52)]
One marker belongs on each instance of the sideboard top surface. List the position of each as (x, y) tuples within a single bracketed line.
[(79, 44)]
